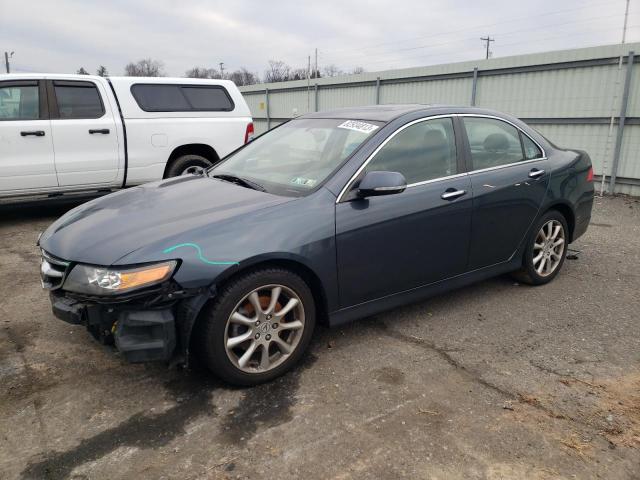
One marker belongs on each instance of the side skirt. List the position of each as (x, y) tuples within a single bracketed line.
[(372, 307)]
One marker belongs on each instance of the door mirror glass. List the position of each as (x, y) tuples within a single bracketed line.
[(381, 183)]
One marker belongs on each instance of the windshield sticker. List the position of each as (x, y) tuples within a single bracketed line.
[(304, 182), (358, 126), (201, 257)]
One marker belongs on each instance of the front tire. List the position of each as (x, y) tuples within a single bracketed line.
[(188, 164), (258, 327), (545, 250)]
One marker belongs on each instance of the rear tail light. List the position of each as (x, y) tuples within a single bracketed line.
[(590, 175), (248, 136)]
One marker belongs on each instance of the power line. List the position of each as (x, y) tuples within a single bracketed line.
[(502, 22), (488, 39)]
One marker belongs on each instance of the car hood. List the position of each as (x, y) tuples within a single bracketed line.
[(104, 230)]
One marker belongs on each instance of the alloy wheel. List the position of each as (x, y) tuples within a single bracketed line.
[(548, 248), (264, 328)]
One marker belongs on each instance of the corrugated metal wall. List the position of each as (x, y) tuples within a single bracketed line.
[(568, 95)]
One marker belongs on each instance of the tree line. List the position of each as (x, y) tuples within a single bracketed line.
[(277, 71)]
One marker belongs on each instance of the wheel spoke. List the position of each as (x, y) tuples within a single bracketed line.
[(275, 294), (265, 362), (284, 347), (537, 258), (557, 243), (240, 319), (295, 325), (556, 231), (246, 356), (538, 246), (540, 267), (233, 342), (254, 298), (287, 308)]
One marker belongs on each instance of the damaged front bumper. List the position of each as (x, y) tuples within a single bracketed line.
[(155, 326)]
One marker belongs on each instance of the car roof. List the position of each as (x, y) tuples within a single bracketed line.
[(387, 113)]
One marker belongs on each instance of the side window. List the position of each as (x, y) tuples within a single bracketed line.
[(424, 151), (208, 98), (182, 98), (19, 102), (531, 150), (78, 100), (492, 142)]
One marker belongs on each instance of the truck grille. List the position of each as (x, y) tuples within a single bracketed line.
[(52, 271)]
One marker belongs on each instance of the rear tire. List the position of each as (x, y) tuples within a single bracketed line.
[(245, 345), (187, 164), (545, 250)]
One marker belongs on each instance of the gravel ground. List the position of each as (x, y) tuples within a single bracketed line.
[(495, 381)]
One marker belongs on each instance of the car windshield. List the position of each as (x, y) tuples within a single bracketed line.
[(296, 157)]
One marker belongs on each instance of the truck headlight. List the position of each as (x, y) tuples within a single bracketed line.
[(113, 280)]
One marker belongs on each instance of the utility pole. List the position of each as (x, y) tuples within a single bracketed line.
[(315, 74), (7, 56), (488, 39), (221, 69), (309, 83), (626, 17)]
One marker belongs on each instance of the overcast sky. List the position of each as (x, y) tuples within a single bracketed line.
[(64, 35)]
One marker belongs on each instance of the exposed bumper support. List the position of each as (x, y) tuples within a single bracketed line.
[(141, 333)]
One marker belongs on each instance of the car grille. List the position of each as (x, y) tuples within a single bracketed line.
[(52, 271)]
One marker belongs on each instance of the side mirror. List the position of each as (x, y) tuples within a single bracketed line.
[(381, 183)]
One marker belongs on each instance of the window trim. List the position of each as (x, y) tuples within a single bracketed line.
[(347, 187), (354, 177), (497, 167), (180, 87), (43, 111), (53, 98)]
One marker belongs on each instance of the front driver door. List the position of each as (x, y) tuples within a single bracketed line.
[(26, 148), (509, 177), (393, 243)]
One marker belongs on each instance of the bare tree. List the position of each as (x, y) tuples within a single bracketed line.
[(331, 71), (278, 71), (243, 76), (102, 71), (357, 70), (82, 71), (146, 67), (298, 74), (202, 72)]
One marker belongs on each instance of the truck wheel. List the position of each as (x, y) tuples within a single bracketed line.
[(187, 164), (258, 327)]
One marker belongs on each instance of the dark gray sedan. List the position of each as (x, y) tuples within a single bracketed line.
[(329, 217)]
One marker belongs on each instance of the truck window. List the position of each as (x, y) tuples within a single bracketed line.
[(78, 100), (182, 98), (19, 102)]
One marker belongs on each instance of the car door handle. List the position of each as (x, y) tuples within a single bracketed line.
[(35, 133), (452, 193), (535, 173), (103, 131)]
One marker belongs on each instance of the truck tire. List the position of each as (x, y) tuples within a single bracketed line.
[(187, 164)]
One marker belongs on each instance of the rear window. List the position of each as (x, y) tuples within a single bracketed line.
[(182, 98)]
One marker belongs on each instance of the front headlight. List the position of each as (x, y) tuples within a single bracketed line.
[(112, 281)]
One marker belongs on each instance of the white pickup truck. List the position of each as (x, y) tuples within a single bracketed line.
[(77, 133)]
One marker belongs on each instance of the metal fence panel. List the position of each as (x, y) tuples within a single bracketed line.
[(568, 95)]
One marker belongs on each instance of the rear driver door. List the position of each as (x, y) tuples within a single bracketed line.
[(509, 176)]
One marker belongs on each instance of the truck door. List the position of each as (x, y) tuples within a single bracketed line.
[(84, 131), (26, 148)]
